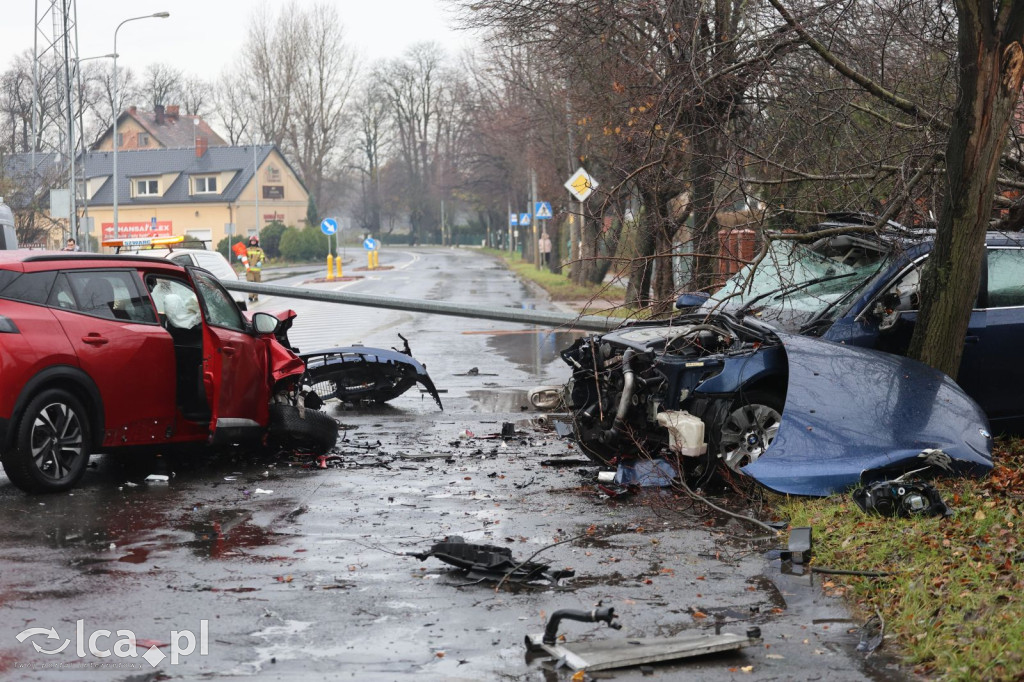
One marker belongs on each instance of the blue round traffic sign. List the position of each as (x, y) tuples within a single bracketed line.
[(329, 226), (371, 244)]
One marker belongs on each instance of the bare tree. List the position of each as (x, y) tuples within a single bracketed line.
[(372, 118), (412, 85), (297, 73), (196, 96), (162, 84), (234, 108), (989, 69)]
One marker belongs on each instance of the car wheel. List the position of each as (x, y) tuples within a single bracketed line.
[(749, 428), (311, 429), (52, 444)]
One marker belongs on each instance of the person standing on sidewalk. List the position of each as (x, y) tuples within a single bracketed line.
[(254, 264), (544, 244)]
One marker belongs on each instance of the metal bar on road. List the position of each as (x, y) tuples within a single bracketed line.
[(552, 319)]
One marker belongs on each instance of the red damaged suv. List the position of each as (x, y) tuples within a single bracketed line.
[(99, 353)]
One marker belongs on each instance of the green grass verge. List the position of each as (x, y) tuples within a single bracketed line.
[(955, 604), (594, 299)]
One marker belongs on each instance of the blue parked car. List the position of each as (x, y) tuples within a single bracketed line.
[(861, 289)]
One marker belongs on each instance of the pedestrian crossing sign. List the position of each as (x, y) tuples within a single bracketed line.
[(524, 219), (542, 210)]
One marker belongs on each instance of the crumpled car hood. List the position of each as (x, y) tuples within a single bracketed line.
[(854, 415)]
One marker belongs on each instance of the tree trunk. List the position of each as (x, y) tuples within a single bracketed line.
[(642, 265), (991, 71), (705, 209)]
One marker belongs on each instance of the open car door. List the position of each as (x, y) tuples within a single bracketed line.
[(234, 366)]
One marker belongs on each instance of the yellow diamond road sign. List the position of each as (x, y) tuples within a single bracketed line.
[(581, 185)]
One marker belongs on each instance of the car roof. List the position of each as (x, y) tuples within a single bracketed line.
[(40, 260)]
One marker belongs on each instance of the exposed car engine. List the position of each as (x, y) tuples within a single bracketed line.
[(707, 388)]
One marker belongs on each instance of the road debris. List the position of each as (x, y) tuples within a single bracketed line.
[(871, 634), (902, 498), (646, 473), (490, 562), (611, 654), (545, 397)]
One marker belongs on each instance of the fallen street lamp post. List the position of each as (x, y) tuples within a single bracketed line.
[(553, 319)]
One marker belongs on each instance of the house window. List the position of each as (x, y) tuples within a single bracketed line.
[(206, 185), (146, 188), (143, 139), (120, 140)]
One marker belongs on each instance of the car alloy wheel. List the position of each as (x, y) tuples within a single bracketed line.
[(56, 441), (748, 430), (52, 444)]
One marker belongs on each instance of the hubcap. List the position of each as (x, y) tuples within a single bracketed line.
[(56, 441), (747, 433)]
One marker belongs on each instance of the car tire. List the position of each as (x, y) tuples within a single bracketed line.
[(748, 428), (310, 429), (52, 444)]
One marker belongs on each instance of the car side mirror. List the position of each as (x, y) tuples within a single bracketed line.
[(692, 300), (265, 323)]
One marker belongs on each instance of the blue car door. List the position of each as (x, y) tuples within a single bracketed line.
[(996, 381)]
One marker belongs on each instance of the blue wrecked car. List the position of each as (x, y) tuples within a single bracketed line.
[(719, 392), (861, 289)]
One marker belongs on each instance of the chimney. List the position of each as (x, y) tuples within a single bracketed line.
[(132, 110), (172, 111), (201, 144), (159, 111)]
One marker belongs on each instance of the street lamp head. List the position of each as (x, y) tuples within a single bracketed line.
[(162, 15)]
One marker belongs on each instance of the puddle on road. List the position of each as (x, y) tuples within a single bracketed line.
[(503, 400), (532, 350)]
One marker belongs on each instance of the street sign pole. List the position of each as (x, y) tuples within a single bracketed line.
[(533, 217)]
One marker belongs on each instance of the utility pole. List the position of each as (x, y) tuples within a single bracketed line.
[(256, 186), (533, 217)]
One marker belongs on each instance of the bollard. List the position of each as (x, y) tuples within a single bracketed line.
[(330, 268), (376, 259), (338, 261), (369, 260)]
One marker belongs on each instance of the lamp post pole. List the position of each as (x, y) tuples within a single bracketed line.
[(117, 107), (81, 134)]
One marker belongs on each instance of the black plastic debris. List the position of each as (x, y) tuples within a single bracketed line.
[(508, 430), (799, 550), (898, 498), (490, 562)]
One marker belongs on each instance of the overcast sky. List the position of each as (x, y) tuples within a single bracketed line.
[(201, 37)]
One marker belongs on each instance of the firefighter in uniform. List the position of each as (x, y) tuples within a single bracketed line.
[(254, 263)]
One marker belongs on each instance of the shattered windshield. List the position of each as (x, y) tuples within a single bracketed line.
[(795, 283)]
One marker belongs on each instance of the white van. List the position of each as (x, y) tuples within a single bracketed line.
[(8, 237)]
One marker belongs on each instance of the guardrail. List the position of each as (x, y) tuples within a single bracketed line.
[(539, 317)]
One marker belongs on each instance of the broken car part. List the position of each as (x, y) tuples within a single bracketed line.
[(358, 373), (799, 415), (623, 653), (545, 397), (799, 550), (489, 562), (903, 498)]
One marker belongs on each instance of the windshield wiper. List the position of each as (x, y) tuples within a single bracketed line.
[(789, 289)]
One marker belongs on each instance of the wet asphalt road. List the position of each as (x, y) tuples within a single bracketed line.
[(300, 571)]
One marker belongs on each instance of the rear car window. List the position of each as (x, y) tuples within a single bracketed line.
[(30, 287), (112, 294)]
